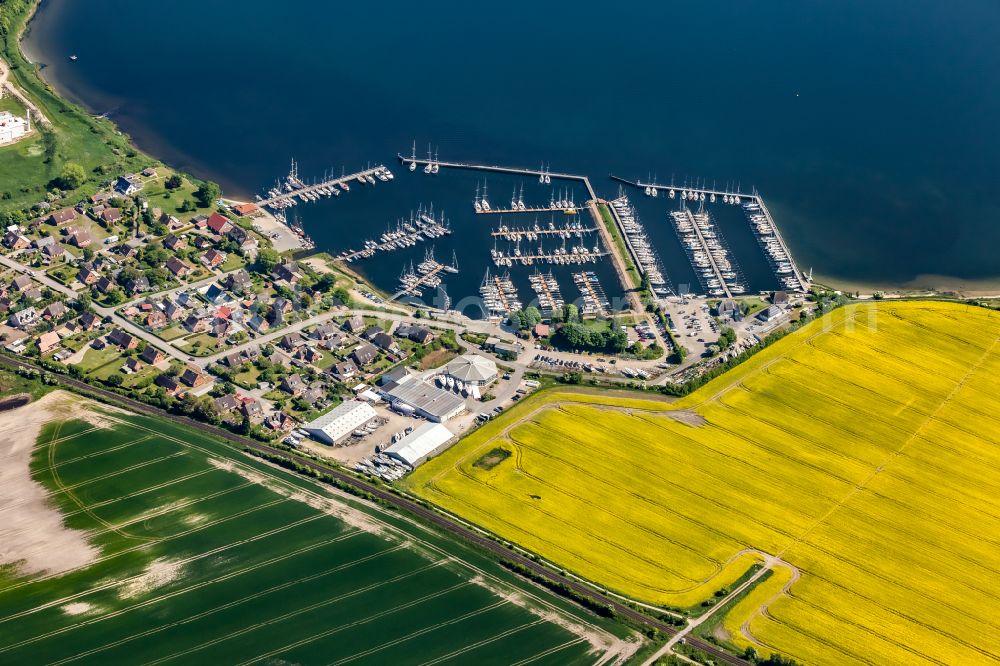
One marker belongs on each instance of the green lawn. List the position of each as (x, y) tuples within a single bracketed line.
[(172, 333), (95, 359)]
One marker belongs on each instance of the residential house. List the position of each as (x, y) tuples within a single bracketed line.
[(132, 365), (168, 383), (43, 242), (343, 370), (386, 342), (227, 403), (779, 298), (310, 355), (33, 294), (156, 320), (420, 335), (105, 284), (258, 323), (193, 377), (152, 355), (54, 310), (218, 223), (288, 271), (47, 342), (239, 282), (279, 422), (252, 410), (312, 396), (174, 243), (196, 324), (137, 285), (173, 311), (354, 324), (81, 238), (15, 241), (293, 384), (122, 340), (24, 318), (89, 321), (177, 267), (126, 186), (21, 283), (88, 275), (111, 215), (64, 216), (56, 252), (291, 341), (370, 332), (213, 258), (364, 354)]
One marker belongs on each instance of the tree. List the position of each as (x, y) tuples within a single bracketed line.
[(207, 193), (325, 282), (572, 312), (532, 316), (71, 177), (267, 259), (173, 182)]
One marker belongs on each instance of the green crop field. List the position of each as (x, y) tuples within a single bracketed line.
[(857, 458), (203, 555)]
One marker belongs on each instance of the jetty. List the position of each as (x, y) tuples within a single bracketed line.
[(595, 302), (689, 192), (295, 190), (704, 256), (536, 232), (569, 210), (492, 168)]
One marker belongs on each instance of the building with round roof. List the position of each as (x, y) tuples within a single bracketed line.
[(472, 369)]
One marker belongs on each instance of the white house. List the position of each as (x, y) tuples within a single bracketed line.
[(13, 127)]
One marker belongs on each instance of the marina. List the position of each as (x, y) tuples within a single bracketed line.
[(638, 244), (692, 192), (707, 251), (499, 295), (595, 302), (578, 254), (546, 287)]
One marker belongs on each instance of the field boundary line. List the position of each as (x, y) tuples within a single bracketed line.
[(546, 653), (97, 453)]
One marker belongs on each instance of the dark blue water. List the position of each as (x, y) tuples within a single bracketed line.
[(868, 125)]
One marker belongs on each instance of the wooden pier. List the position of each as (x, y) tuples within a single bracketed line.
[(799, 275), (569, 210), (519, 233), (707, 251), (567, 259), (359, 177), (415, 288)]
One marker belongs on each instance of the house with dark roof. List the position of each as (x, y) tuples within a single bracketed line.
[(174, 243), (111, 215), (15, 241), (213, 258), (177, 267), (89, 321), (288, 271), (54, 310), (386, 342), (291, 341), (252, 410), (126, 186), (168, 383), (151, 355), (193, 377), (64, 216), (354, 324), (364, 354), (105, 284), (292, 384), (137, 285), (88, 275), (343, 370), (239, 282), (122, 340), (227, 403)]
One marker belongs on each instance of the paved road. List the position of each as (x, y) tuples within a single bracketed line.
[(456, 529)]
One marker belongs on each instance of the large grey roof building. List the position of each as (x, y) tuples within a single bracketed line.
[(472, 369), (340, 421), (428, 401)]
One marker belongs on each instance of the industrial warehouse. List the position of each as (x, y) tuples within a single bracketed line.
[(414, 448), (420, 398), (340, 421)]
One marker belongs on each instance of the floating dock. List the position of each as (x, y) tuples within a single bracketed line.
[(706, 251), (547, 288), (595, 302), (514, 234)]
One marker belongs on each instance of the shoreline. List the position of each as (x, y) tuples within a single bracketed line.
[(924, 284)]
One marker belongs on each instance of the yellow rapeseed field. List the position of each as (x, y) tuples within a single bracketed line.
[(863, 450)]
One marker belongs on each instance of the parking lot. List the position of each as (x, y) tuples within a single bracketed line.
[(694, 325)]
